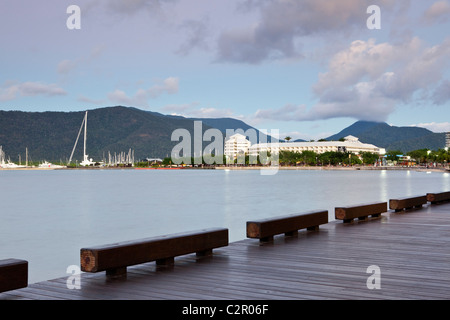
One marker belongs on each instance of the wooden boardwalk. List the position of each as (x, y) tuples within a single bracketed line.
[(412, 250)]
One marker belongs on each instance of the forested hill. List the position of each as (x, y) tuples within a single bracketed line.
[(51, 135), (389, 137)]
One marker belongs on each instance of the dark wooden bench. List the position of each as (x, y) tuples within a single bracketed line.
[(407, 203), (438, 197), (265, 229), (360, 211), (115, 258), (13, 274)]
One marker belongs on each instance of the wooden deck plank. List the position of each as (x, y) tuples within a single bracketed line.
[(410, 248)]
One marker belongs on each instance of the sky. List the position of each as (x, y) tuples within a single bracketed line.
[(308, 68)]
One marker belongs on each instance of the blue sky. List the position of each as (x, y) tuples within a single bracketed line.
[(308, 68)]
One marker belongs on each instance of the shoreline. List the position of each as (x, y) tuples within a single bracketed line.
[(300, 168), (398, 168)]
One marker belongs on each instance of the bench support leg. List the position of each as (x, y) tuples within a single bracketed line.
[(313, 228), (291, 233), (266, 239), (204, 253), (376, 215), (168, 262), (116, 273)]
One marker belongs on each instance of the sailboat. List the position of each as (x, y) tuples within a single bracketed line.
[(8, 164), (86, 161), (2, 157)]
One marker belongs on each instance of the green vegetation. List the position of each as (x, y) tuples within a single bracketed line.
[(425, 156), (311, 158), (51, 135), (393, 155)]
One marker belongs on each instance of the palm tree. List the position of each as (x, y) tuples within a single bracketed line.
[(287, 138)]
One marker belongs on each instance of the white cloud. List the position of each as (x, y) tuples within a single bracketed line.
[(178, 109), (438, 12), (66, 66), (141, 97), (211, 113), (362, 60), (367, 81), (442, 93), (84, 99), (12, 91), (169, 85), (295, 135), (434, 126), (190, 110), (285, 113), (285, 24)]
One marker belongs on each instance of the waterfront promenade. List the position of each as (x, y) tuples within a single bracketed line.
[(411, 249)]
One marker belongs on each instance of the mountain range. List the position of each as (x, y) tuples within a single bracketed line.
[(383, 135), (51, 135)]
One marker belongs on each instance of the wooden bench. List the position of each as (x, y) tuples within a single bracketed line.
[(115, 258), (264, 230), (401, 204), (360, 211), (13, 274), (438, 197)]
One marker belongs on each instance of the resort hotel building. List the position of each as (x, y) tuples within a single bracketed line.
[(238, 144), (447, 140)]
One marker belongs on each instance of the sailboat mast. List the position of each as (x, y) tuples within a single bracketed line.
[(78, 137), (85, 134)]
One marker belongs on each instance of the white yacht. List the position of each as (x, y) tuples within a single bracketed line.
[(48, 165)]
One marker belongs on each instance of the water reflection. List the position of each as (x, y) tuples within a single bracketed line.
[(55, 213)]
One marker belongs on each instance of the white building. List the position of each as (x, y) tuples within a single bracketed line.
[(351, 144), (235, 145), (447, 140)]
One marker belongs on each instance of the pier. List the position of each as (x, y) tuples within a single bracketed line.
[(410, 248)]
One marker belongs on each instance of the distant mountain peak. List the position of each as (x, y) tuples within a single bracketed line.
[(392, 137)]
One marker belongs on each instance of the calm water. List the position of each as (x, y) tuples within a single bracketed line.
[(48, 216)]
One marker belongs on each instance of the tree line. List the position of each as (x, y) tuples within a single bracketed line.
[(422, 156), (333, 158)]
